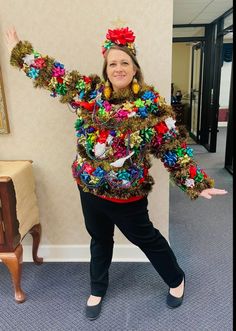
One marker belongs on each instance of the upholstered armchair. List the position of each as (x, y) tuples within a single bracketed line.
[(18, 216)]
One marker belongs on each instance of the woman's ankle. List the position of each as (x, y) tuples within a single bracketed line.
[(178, 291), (93, 300)]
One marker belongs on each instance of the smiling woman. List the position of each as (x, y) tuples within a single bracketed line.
[(4, 125), (120, 69), (121, 122)]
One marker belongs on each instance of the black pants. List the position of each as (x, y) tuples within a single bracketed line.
[(132, 219)]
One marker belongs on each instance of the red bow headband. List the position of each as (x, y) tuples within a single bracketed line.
[(120, 37)]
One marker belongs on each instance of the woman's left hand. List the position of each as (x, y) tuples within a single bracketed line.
[(207, 193), (11, 38)]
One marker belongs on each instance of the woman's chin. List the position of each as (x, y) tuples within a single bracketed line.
[(120, 87)]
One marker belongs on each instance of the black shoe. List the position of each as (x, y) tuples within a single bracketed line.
[(93, 312), (174, 302)]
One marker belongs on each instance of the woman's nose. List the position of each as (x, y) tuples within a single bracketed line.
[(118, 67)]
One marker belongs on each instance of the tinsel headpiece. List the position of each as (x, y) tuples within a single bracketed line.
[(120, 37)]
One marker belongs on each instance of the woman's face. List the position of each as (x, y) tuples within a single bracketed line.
[(120, 69)]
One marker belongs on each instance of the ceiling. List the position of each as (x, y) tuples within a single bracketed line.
[(199, 11)]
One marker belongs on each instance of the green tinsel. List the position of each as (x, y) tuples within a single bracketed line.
[(73, 84)]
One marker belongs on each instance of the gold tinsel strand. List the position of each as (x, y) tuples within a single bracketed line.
[(19, 51), (164, 111)]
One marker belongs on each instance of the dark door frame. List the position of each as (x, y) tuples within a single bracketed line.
[(229, 136), (213, 39), (198, 133), (211, 85)]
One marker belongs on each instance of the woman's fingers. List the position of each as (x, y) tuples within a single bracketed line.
[(216, 191), (212, 191), (11, 38), (10, 32)]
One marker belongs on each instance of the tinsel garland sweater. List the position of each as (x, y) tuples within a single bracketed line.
[(115, 137)]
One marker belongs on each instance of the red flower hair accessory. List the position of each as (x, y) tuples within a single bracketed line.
[(120, 37)]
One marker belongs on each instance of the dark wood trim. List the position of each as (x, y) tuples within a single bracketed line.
[(8, 215), (187, 39), (189, 25)]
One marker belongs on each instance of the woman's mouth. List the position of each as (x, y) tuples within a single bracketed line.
[(119, 77)]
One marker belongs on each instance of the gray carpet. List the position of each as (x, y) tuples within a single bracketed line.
[(201, 237)]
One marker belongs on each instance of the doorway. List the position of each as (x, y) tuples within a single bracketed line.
[(203, 96), (196, 90)]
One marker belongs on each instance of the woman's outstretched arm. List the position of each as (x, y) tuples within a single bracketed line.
[(169, 144), (46, 72)]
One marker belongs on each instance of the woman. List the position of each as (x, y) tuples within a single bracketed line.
[(121, 120)]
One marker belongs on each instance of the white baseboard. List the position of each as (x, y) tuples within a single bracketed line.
[(223, 124), (81, 253)]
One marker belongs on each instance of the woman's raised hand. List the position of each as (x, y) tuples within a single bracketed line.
[(207, 194), (11, 38)]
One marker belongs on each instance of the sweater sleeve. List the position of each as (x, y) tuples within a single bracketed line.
[(169, 144), (47, 73)]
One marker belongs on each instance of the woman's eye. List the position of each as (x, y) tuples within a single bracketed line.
[(112, 64)]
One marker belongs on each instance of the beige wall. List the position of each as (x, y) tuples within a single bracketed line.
[(42, 128), (181, 57)]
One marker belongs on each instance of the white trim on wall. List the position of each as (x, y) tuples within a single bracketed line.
[(81, 253)]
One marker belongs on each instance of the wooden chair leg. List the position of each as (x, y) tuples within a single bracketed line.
[(35, 232), (13, 261)]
